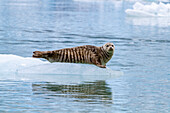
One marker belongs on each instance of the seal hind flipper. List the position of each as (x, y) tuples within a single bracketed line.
[(37, 54), (42, 54)]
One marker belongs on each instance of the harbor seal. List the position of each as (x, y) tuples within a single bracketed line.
[(86, 54)]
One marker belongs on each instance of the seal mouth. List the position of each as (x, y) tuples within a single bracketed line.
[(110, 49)]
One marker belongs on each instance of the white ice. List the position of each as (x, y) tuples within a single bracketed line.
[(152, 10), (21, 68)]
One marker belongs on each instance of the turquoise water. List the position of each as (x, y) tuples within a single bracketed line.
[(142, 54)]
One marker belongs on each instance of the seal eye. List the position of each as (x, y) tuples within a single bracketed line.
[(112, 45), (107, 45)]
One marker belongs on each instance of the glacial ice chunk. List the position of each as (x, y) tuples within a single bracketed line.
[(11, 63), (21, 68), (153, 10)]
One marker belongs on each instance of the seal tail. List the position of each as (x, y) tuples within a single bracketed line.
[(42, 54)]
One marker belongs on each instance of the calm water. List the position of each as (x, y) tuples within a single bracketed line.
[(142, 53)]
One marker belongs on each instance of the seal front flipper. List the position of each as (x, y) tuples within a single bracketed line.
[(101, 66)]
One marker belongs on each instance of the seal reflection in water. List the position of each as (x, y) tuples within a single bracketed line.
[(86, 54)]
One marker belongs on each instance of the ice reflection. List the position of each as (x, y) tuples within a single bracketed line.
[(159, 22)]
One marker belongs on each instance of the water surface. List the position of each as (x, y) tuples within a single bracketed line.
[(142, 53)]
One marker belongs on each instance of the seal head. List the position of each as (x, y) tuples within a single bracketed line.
[(109, 48)]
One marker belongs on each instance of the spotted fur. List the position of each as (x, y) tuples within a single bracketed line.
[(87, 54)]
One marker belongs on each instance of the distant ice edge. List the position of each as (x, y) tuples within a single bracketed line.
[(22, 68), (152, 10)]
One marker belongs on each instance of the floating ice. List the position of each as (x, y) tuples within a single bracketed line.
[(152, 21), (20, 68), (154, 10), (12, 63)]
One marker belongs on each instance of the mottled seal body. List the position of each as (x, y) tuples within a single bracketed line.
[(86, 54)]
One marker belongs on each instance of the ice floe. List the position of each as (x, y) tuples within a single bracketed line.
[(21, 68), (152, 10)]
